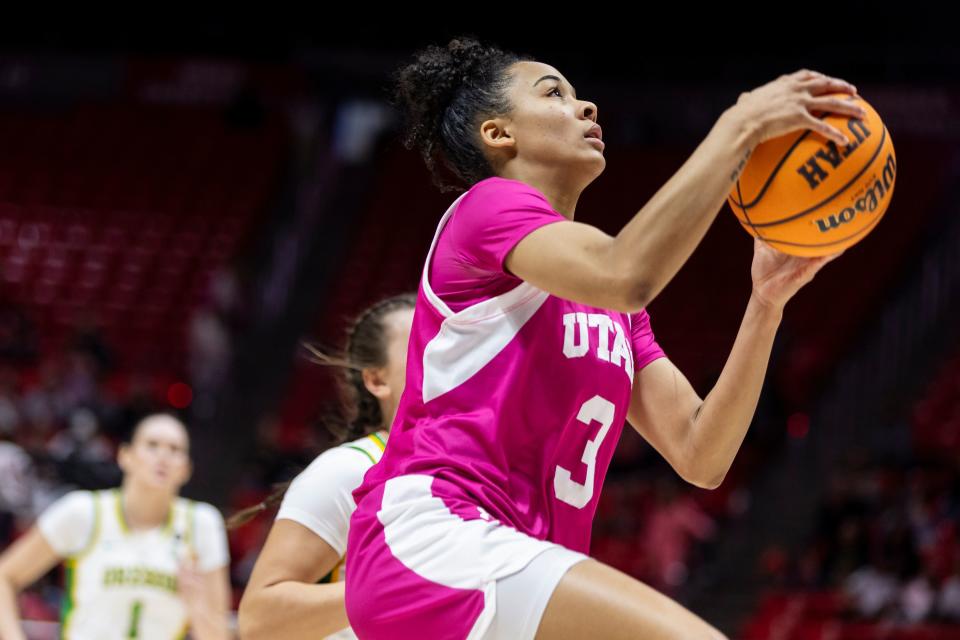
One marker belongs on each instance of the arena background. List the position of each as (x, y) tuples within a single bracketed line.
[(182, 201)]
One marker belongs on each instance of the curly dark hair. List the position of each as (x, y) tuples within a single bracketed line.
[(444, 94)]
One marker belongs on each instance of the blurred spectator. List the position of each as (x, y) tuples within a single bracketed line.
[(210, 349), (84, 455), (948, 599), (872, 591), (210, 340), (916, 600), (79, 384), (16, 475), (887, 537)]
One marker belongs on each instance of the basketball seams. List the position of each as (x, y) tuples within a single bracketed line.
[(755, 230), (809, 210), (773, 174)]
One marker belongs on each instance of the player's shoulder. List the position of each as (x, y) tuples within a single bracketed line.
[(77, 499), (79, 507), (372, 445), (495, 182), (497, 186), (82, 494), (348, 459), (70, 524), (203, 513), (641, 316)]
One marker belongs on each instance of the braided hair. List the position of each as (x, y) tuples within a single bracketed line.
[(444, 94), (359, 413)]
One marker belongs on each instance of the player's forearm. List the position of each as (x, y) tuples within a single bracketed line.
[(293, 610), (10, 628), (661, 236), (721, 423)]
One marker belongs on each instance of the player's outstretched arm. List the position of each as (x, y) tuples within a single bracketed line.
[(22, 564), (625, 272), (282, 599)]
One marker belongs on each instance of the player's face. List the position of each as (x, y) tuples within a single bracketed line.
[(159, 454), (548, 123)]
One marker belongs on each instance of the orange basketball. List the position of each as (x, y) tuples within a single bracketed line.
[(807, 196)]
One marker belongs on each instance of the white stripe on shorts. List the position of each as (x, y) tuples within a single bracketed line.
[(440, 546)]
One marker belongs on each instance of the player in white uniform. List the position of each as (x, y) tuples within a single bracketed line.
[(141, 562), (306, 544)]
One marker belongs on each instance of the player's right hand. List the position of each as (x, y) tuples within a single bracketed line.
[(786, 104)]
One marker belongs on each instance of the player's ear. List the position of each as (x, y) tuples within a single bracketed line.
[(495, 133), (123, 456), (375, 381)]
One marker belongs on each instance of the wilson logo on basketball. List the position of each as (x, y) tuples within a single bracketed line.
[(814, 171), (868, 203)]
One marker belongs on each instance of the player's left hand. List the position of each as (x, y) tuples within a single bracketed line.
[(190, 582), (778, 276)]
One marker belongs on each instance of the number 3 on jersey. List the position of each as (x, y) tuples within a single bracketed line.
[(597, 409)]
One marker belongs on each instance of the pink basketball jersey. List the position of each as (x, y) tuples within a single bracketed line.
[(514, 398)]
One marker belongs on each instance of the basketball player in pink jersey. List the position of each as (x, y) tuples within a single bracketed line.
[(531, 346)]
